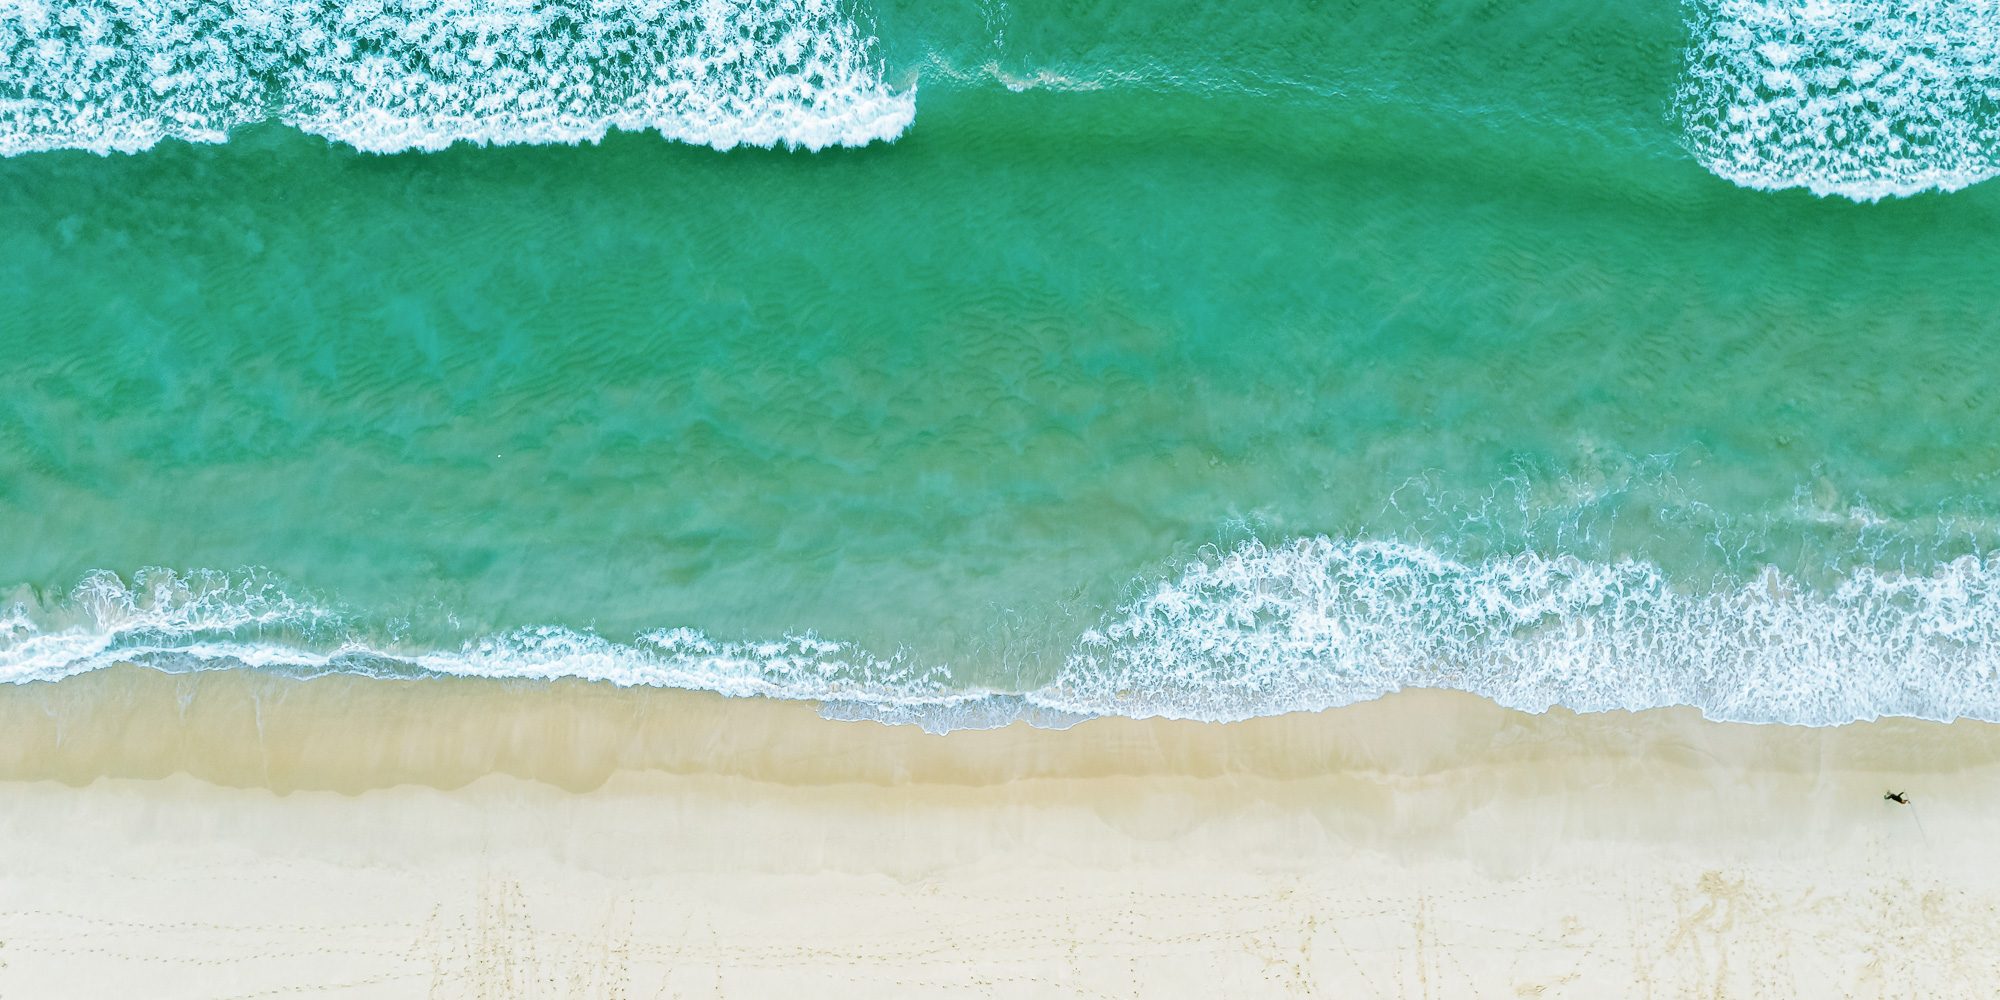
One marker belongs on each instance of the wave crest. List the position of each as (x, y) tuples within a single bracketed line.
[(1322, 622), (1258, 630), (1861, 98), (390, 75)]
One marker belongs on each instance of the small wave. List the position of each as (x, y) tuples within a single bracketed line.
[(1258, 630), (1322, 622), (391, 75), (1861, 98), (208, 618)]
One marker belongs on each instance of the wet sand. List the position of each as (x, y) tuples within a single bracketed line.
[(236, 835)]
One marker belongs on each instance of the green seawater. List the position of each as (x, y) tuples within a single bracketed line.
[(1141, 283)]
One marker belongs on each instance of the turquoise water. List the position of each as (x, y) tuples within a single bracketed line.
[(1147, 359)]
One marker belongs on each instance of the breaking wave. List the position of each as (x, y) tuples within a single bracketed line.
[(1861, 98), (390, 75), (1321, 622), (1257, 630)]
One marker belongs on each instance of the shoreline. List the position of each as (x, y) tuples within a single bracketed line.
[(352, 733), (235, 834)]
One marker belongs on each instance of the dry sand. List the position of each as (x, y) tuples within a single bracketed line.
[(232, 835)]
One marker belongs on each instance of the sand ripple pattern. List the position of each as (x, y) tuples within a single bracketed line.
[(391, 75), (1861, 98)]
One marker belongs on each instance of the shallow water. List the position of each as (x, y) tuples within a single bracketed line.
[(1104, 387)]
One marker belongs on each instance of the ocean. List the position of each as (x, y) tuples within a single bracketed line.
[(960, 363)]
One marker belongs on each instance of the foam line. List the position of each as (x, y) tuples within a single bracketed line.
[(392, 75), (1311, 624), (1861, 98), (1321, 622)]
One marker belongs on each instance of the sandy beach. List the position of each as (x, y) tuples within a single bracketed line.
[(236, 835)]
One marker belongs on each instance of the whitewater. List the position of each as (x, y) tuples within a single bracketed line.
[(1256, 630), (1863, 99), (393, 75), (1866, 99), (922, 384)]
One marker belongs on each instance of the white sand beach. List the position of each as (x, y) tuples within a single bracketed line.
[(231, 835)]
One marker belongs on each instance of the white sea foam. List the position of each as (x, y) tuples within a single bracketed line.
[(209, 619), (1258, 630), (388, 75), (1321, 622), (1861, 98)]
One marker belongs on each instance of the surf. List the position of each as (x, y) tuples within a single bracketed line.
[(1857, 98), (1259, 629), (393, 75)]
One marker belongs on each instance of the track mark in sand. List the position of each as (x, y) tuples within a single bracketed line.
[(496, 950)]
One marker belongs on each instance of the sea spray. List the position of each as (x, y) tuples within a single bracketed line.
[(1259, 629), (389, 75), (1320, 622), (1861, 98)]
